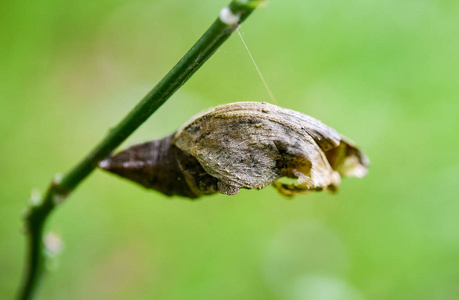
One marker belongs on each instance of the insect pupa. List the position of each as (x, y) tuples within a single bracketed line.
[(244, 145)]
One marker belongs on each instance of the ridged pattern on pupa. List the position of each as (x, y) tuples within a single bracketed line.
[(251, 145)]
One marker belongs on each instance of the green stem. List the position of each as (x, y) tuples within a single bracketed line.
[(38, 213)]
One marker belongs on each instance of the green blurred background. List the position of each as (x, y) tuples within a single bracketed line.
[(384, 73)]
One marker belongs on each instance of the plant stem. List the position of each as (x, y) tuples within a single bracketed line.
[(60, 188)]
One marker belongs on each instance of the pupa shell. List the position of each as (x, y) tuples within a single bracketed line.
[(246, 145)]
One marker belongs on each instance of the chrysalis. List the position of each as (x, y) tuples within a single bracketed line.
[(246, 145)]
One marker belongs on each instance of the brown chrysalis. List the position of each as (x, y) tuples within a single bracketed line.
[(246, 145)]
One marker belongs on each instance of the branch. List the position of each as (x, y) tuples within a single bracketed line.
[(39, 210)]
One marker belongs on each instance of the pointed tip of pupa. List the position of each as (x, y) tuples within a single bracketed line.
[(105, 164)]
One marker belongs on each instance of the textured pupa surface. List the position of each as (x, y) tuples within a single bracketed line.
[(246, 145)]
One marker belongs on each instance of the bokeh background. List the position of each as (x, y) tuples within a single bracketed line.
[(384, 73)]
